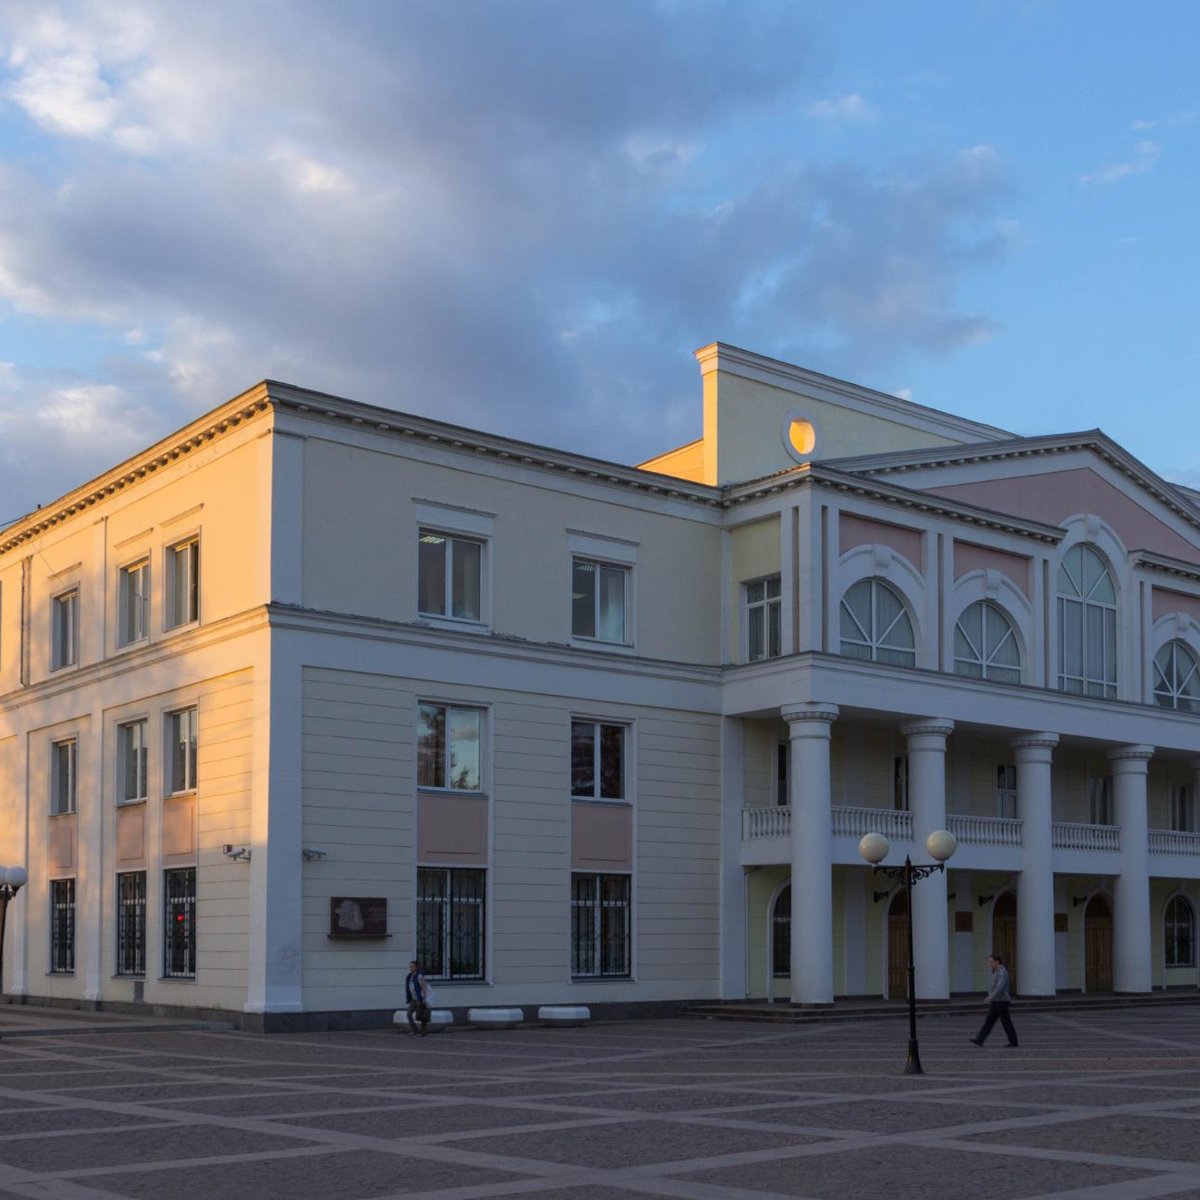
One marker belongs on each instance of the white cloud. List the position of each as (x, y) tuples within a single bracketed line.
[(1145, 157), (849, 109)]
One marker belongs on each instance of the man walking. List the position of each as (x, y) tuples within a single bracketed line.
[(416, 992), (999, 999)]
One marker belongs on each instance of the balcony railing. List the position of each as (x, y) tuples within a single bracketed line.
[(896, 826), (1070, 835), (984, 831), (1174, 841), (772, 822)]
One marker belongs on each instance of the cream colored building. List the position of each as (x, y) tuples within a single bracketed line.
[(310, 685)]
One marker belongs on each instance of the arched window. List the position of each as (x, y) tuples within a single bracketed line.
[(875, 625), (781, 934), (1176, 678), (1179, 933), (985, 644), (1087, 625)]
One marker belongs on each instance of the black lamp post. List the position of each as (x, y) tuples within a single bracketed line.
[(941, 845), (12, 879)]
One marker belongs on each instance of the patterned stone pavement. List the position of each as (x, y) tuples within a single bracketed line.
[(1092, 1106)]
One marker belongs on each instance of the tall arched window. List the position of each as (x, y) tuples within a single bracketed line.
[(1179, 933), (1087, 625), (985, 644), (875, 625), (1177, 678), (781, 934)]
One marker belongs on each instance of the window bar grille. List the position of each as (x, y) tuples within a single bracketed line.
[(179, 958), (131, 923), (62, 925)]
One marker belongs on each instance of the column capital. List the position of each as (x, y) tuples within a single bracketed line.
[(927, 727), (1135, 752), (812, 710), (1034, 741)]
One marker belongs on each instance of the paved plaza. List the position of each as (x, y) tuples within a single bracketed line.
[(1093, 1105)]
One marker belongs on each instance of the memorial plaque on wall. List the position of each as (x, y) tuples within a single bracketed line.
[(358, 917)]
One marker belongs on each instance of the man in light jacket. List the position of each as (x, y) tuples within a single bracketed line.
[(998, 998)]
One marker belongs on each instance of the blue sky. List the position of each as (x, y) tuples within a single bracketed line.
[(524, 216)]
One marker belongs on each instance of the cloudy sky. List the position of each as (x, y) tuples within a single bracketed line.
[(523, 216)]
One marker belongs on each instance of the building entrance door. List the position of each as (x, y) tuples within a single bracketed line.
[(897, 947), (1097, 945), (1004, 934)]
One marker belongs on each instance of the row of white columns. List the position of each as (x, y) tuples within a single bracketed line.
[(809, 796)]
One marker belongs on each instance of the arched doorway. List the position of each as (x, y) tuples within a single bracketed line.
[(1004, 933), (897, 947), (781, 937), (1097, 945)]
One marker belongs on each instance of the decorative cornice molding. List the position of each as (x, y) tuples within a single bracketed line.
[(1164, 564), (814, 711), (941, 727), (1137, 753), (1035, 741)]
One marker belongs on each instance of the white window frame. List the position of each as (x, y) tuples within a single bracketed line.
[(1094, 676), (1006, 791), (1171, 940), (451, 707), (1100, 800), (182, 592), (174, 723), (133, 602), (771, 608), (447, 901), (1168, 694), (873, 638), (1182, 808), (452, 541), (596, 724), (139, 745), (64, 641), (61, 894), (611, 554), (593, 909), (983, 656), (64, 776)]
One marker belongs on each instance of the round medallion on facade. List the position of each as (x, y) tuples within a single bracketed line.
[(800, 437)]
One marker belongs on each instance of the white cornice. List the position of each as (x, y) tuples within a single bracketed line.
[(719, 356)]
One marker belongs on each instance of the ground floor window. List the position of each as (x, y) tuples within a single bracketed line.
[(450, 922), (131, 923), (600, 926), (781, 934), (179, 923), (1179, 932), (62, 925)]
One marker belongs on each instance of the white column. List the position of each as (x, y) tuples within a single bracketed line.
[(1035, 895), (734, 931), (927, 799), (1131, 892), (812, 849)]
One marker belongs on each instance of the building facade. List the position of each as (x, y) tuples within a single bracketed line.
[(311, 686)]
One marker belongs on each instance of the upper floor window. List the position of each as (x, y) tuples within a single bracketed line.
[(64, 630), (985, 644), (1100, 801), (900, 783), (597, 761), (599, 595), (876, 626), (1176, 679), (449, 747), (132, 782), (133, 602), (1179, 930), (763, 625), (181, 751), (1183, 808), (1006, 790), (62, 777), (1087, 625), (183, 583), (449, 576)]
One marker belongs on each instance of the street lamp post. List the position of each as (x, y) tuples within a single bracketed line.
[(12, 879), (941, 844)]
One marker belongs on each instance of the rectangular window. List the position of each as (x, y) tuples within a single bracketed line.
[(763, 619), (1100, 800), (62, 777), (900, 783), (782, 759), (600, 926), (132, 762), (183, 583), (450, 922), (449, 576), (1183, 813), (1006, 790), (449, 747), (597, 761), (179, 923), (181, 751), (131, 923), (133, 602), (64, 630), (598, 600), (62, 926)]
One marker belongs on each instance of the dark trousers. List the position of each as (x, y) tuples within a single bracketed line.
[(997, 1011), (418, 1012)]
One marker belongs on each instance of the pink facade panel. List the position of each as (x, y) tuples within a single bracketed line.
[(452, 830), (1164, 602), (131, 836), (601, 836), (60, 844), (858, 531), (179, 830), (1056, 495), (969, 557)]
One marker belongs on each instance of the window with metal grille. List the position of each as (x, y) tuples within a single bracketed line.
[(600, 926), (450, 922), (62, 925), (131, 923), (1179, 931), (179, 923)]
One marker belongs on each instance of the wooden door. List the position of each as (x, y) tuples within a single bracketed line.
[(897, 947), (1004, 934), (1097, 945)]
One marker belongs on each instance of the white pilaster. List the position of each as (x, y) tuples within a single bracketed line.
[(90, 868), (734, 931), (1131, 891), (926, 739), (1035, 895), (812, 848)]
